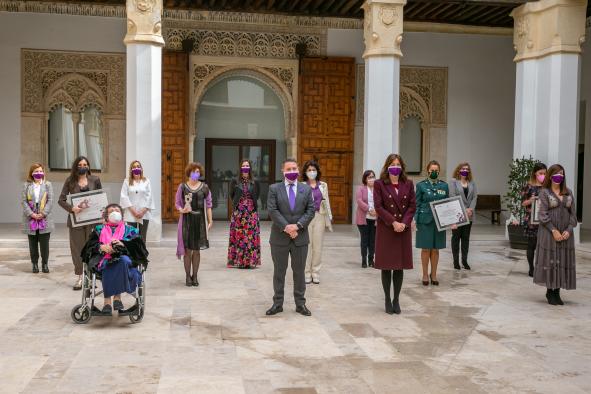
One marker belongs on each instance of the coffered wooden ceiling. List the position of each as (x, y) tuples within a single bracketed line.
[(493, 13)]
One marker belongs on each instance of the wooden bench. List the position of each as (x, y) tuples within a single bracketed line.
[(492, 203)]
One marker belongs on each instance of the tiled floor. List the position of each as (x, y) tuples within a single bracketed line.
[(488, 330)]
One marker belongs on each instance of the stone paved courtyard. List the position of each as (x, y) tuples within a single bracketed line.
[(485, 331)]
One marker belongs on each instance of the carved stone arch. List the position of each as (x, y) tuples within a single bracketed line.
[(74, 91), (413, 105), (261, 74)]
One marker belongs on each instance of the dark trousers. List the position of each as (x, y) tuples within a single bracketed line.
[(36, 242), (280, 255), (368, 239), (78, 238), (461, 235), (532, 243), (142, 228)]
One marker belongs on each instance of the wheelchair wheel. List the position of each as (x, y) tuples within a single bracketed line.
[(80, 316), (139, 317)]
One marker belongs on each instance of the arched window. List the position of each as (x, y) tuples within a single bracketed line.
[(72, 134), (411, 145)]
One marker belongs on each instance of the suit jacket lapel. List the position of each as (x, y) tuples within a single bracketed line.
[(283, 193), (392, 192)]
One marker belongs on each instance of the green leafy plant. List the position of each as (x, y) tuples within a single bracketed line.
[(519, 174)]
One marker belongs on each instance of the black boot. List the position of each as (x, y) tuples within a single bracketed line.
[(371, 261), (363, 262), (550, 297), (465, 265), (188, 281), (44, 268), (389, 308), (35, 268), (557, 297), (456, 265)]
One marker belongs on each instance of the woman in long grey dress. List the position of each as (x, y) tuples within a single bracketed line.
[(555, 252)]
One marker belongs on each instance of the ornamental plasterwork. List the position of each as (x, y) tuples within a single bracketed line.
[(75, 92), (103, 73), (244, 43), (428, 83), (285, 75)]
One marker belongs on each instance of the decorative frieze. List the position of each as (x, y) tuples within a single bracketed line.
[(244, 43), (546, 27)]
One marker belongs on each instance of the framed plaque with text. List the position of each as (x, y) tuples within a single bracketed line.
[(93, 204), (449, 212)]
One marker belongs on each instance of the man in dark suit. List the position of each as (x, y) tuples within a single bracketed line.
[(291, 209)]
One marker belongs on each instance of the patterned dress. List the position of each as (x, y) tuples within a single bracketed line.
[(531, 230), (244, 250), (555, 261)]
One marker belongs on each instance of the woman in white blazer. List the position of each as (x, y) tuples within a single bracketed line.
[(463, 185), (322, 220), (136, 199)]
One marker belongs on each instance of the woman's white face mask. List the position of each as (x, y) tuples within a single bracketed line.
[(115, 217)]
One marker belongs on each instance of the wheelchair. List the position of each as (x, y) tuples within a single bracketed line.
[(82, 313)]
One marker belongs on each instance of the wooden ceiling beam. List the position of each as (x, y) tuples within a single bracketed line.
[(467, 15), (479, 17), (304, 5), (418, 10), (270, 4), (293, 5), (327, 5), (499, 14), (347, 6)]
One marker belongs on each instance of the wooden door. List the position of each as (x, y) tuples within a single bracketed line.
[(326, 121), (175, 146)]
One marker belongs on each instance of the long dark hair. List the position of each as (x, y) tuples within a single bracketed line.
[(553, 170), (73, 177), (537, 167), (311, 163), (385, 175), (250, 178)]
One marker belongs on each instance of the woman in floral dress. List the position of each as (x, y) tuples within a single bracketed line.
[(244, 250)]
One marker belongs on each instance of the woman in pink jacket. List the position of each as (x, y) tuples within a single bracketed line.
[(365, 218)]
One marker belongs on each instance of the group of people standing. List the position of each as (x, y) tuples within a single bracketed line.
[(388, 210)]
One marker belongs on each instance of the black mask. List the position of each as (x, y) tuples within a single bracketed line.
[(82, 170)]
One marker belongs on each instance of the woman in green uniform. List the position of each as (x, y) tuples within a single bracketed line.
[(429, 239)]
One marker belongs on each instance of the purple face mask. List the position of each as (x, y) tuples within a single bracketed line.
[(292, 176), (395, 170), (557, 178), (464, 172), (136, 171), (245, 170), (195, 176), (38, 175)]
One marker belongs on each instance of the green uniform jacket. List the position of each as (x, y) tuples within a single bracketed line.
[(428, 237)]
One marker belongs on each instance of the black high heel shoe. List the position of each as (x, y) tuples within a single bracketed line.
[(425, 283), (434, 282)]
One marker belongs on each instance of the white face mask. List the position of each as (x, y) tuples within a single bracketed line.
[(115, 217), (311, 174)]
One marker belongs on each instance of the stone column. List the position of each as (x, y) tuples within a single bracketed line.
[(382, 36), (547, 36), (143, 117)]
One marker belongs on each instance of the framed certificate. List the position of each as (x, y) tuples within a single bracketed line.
[(448, 212), (93, 203), (535, 211)]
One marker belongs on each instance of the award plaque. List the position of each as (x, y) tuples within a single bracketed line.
[(449, 212), (93, 204)]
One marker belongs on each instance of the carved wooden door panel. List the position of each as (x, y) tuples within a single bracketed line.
[(175, 146), (326, 121)]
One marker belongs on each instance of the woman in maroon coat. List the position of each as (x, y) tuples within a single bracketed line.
[(395, 204)]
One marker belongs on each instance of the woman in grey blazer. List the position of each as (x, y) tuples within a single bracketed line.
[(37, 202), (463, 185)]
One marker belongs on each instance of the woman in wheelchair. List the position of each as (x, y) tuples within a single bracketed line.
[(113, 251)]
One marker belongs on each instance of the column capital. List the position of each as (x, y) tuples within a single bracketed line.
[(546, 27), (382, 27), (144, 22)]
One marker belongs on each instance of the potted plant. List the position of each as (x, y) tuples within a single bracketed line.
[(519, 174)]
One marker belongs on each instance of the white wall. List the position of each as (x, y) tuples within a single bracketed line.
[(481, 95), (40, 31)]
